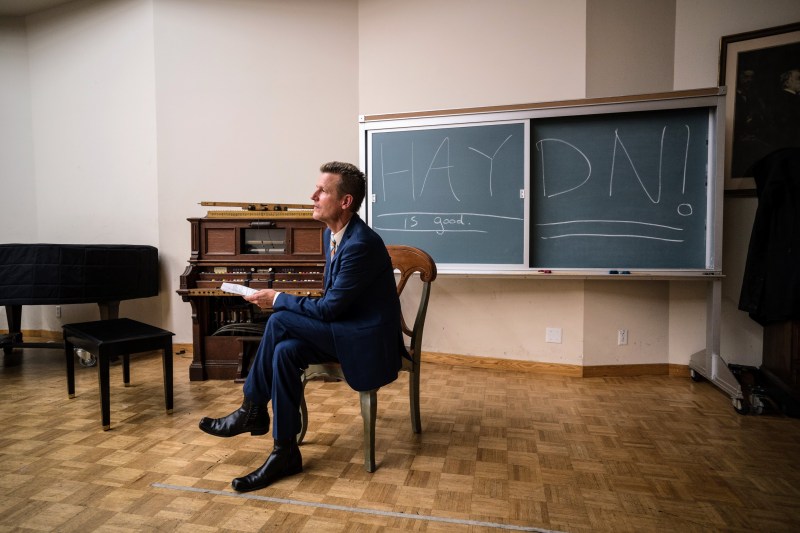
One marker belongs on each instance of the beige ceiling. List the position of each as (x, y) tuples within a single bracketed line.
[(19, 8)]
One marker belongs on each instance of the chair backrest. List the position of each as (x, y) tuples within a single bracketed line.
[(409, 261)]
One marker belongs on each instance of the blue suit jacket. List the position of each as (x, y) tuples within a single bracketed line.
[(361, 305)]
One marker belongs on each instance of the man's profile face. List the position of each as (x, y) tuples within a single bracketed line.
[(326, 198)]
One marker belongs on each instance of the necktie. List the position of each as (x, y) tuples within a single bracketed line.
[(333, 247)]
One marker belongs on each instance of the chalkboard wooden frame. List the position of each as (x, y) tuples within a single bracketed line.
[(712, 100)]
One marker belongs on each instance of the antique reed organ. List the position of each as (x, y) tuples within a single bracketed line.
[(259, 246)]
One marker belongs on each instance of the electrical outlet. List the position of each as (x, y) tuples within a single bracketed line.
[(553, 335), (622, 337), (58, 311)]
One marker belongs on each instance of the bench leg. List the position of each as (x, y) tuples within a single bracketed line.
[(70, 355), (167, 364), (105, 402), (126, 369)]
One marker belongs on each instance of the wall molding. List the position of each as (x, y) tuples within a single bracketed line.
[(556, 369), (490, 363)]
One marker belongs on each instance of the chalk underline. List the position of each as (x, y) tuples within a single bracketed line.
[(596, 221), (611, 235), (447, 215)]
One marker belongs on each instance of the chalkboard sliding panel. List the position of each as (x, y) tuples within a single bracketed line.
[(457, 191), (593, 187), (620, 190)]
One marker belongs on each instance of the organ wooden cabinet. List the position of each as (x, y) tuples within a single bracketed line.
[(259, 249)]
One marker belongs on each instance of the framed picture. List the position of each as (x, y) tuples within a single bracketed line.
[(761, 70)]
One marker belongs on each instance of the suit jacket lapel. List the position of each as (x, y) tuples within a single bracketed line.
[(332, 265), (328, 266)]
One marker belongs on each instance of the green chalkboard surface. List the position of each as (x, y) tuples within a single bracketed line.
[(453, 191), (623, 190), (607, 184)]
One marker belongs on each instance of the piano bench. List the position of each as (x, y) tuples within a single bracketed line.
[(109, 338)]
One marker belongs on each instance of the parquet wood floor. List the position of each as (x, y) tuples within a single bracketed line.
[(539, 452)]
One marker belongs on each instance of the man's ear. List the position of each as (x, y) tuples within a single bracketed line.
[(347, 201)]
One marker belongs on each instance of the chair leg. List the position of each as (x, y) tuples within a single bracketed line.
[(303, 414), (413, 400), (369, 410)]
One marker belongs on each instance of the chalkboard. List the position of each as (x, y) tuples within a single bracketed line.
[(455, 191), (624, 190), (606, 185)]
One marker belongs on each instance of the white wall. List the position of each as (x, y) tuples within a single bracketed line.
[(252, 96), (143, 109), (140, 109), (92, 130), (417, 55), (421, 54), (18, 214), (92, 95), (16, 141), (528, 52), (629, 46)]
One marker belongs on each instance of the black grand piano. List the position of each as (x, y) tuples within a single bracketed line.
[(60, 274)]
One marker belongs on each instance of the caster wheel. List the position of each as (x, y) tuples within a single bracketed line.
[(86, 359), (756, 405), (740, 407), (695, 375)]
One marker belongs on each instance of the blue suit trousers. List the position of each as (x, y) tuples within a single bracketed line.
[(290, 343)]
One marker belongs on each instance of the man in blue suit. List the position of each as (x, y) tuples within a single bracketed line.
[(356, 323)]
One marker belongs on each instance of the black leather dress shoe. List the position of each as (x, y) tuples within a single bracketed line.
[(285, 460), (250, 417)]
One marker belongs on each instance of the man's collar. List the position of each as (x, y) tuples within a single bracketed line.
[(339, 234)]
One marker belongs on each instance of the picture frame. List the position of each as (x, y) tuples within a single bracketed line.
[(760, 114)]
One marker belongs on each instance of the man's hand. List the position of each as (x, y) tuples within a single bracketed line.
[(262, 298)]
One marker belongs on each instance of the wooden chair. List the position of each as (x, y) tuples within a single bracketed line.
[(407, 260)]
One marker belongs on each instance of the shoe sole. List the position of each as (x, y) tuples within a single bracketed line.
[(255, 433), (264, 485)]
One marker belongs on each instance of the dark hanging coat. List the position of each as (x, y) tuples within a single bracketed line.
[(771, 285)]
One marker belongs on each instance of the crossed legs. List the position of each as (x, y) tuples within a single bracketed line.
[(290, 343)]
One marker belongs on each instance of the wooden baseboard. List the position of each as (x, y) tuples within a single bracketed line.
[(491, 363), (183, 348), (511, 365), (28, 334), (660, 369), (555, 369), (38, 334)]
